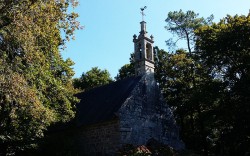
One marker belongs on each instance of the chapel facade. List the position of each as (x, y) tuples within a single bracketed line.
[(128, 111)]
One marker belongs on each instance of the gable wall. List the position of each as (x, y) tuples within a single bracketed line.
[(145, 115)]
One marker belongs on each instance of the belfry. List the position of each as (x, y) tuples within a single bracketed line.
[(144, 53)]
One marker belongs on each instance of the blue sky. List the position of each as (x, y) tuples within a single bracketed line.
[(109, 26)]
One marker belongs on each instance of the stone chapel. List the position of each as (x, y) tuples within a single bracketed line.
[(128, 111)]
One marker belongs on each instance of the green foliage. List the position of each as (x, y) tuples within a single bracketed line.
[(125, 71), (93, 78), (209, 88), (35, 82), (187, 85), (189, 91), (224, 50), (183, 25)]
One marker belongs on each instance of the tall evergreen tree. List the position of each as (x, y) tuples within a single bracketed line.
[(183, 25), (192, 80)]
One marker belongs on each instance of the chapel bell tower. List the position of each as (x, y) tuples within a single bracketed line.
[(144, 53)]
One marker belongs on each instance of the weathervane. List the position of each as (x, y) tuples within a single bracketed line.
[(142, 13)]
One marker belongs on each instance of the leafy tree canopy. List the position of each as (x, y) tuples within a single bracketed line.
[(208, 89), (35, 82), (93, 78), (190, 92), (224, 50), (125, 71)]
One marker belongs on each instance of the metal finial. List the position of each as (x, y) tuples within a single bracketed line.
[(142, 12)]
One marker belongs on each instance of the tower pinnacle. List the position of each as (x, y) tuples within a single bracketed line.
[(143, 28)]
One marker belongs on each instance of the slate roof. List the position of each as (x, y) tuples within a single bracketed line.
[(101, 103)]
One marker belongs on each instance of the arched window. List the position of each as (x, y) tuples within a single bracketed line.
[(149, 51)]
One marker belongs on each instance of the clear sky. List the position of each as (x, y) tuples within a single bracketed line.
[(109, 26)]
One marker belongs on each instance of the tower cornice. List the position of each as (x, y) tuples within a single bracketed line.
[(142, 38)]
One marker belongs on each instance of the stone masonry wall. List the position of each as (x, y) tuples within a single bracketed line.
[(145, 115), (99, 139)]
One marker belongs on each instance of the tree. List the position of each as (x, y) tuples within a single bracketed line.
[(224, 49), (93, 78), (183, 25), (208, 87), (35, 82), (125, 71), (192, 94), (191, 81)]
